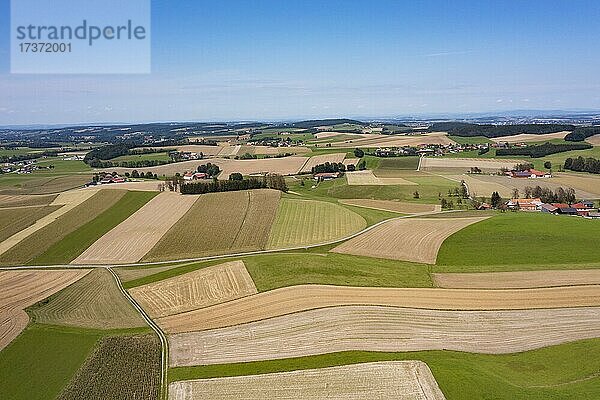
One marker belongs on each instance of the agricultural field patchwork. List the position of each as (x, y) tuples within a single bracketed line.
[(218, 223), (392, 380), (305, 222), (198, 289), (411, 239), (129, 241), (389, 329), (21, 289), (93, 302)]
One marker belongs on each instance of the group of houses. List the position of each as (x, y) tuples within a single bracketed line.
[(106, 179), (528, 173), (582, 209)]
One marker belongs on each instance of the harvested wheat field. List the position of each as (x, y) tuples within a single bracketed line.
[(26, 245), (207, 150), (14, 220), (292, 299), (396, 140), (129, 241), (17, 200), (465, 164), (351, 161), (21, 289), (583, 184), (306, 222), (517, 280), (387, 329), (127, 274), (322, 159), (202, 288), (394, 206), (585, 187), (481, 187), (145, 186), (367, 177), (411, 239), (379, 380), (594, 140), (529, 137), (95, 302), (219, 223)]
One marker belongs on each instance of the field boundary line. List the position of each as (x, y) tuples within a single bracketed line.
[(164, 344)]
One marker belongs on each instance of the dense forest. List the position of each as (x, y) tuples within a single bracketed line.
[(328, 167), (492, 131), (267, 182), (580, 164), (542, 150), (582, 133)]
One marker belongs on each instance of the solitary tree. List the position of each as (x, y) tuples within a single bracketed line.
[(359, 153), (515, 193), (496, 200), (416, 195), (548, 165)]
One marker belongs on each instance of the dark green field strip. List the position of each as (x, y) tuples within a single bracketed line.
[(271, 271), (522, 238), (73, 244), (40, 241), (120, 367), (17, 219), (567, 371)]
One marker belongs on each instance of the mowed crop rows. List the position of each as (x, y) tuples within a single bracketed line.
[(386, 329), (21, 289), (390, 205), (24, 200), (120, 367), (218, 223), (48, 185), (197, 289), (305, 222), (129, 241), (384, 380), (528, 137), (94, 301), (594, 140), (396, 140), (13, 220), (37, 242), (481, 187), (292, 299), (412, 239), (517, 280), (360, 178), (322, 159)]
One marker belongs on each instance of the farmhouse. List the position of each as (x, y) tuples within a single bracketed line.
[(194, 176), (326, 176), (582, 208), (525, 204), (565, 209), (108, 178), (529, 173)]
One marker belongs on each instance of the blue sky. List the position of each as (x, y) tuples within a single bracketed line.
[(287, 59)]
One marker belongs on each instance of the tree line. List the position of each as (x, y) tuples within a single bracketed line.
[(95, 163), (491, 131), (581, 133), (542, 150), (328, 167), (580, 164), (266, 182)]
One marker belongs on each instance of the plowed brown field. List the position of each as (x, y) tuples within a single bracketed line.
[(20, 289), (197, 289), (293, 299), (388, 329), (517, 280), (410, 239), (129, 241), (382, 380)]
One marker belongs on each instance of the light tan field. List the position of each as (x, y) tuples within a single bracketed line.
[(21, 289), (394, 206), (381, 380), (129, 241), (127, 274), (585, 187), (146, 186), (387, 329), (465, 164), (292, 299), (20, 200), (367, 177), (322, 159), (411, 239), (281, 166), (527, 137), (202, 288), (67, 201), (594, 140), (517, 280), (351, 161), (479, 187), (396, 140), (328, 135), (583, 184), (208, 151)]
